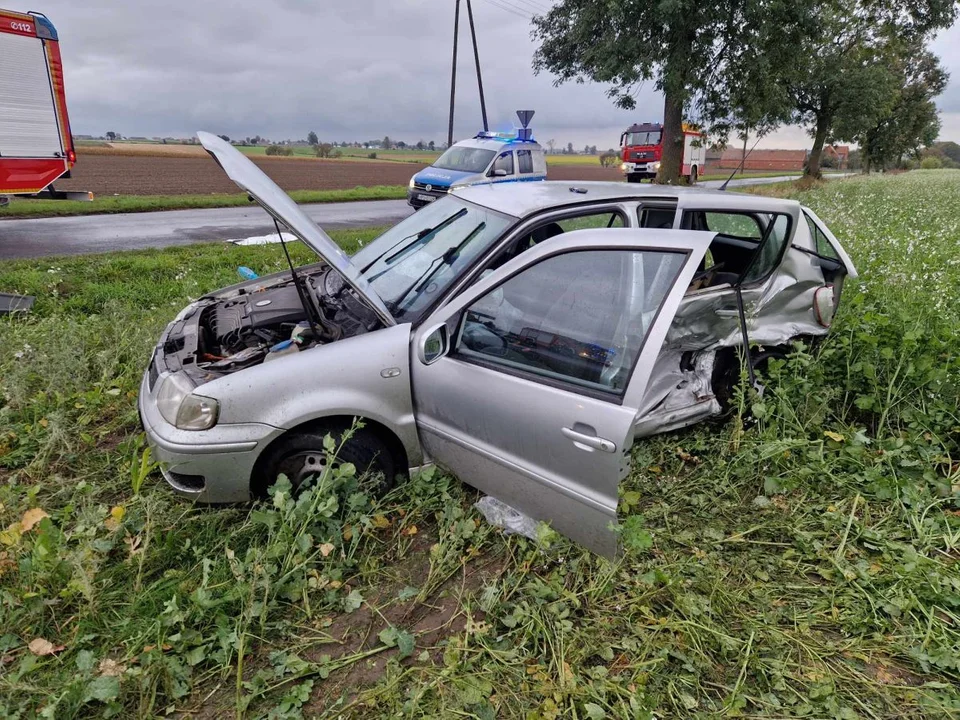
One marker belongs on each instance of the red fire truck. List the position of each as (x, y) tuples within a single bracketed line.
[(641, 149), (36, 147)]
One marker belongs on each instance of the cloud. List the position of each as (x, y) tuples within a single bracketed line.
[(347, 70)]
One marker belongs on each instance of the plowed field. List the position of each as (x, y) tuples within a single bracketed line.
[(108, 174)]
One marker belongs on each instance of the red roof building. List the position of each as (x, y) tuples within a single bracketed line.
[(791, 160), (840, 152)]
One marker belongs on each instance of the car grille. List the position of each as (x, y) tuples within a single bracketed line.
[(433, 188), (645, 155)]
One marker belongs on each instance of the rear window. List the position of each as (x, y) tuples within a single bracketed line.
[(824, 248), (524, 161)]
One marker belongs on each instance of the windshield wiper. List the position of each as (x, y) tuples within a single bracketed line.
[(421, 238), (448, 258)]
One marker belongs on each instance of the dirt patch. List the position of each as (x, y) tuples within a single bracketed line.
[(187, 170), (584, 173), (141, 150), (431, 621), (149, 175)]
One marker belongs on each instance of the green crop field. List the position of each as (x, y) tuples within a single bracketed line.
[(799, 559)]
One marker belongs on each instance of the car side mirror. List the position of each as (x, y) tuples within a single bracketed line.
[(434, 344), (499, 172)]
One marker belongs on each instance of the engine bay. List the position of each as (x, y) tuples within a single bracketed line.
[(263, 320)]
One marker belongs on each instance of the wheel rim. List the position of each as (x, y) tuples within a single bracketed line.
[(302, 465)]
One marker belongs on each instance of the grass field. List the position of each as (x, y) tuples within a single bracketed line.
[(800, 559), (148, 203)]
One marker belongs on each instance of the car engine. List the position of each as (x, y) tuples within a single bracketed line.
[(260, 321)]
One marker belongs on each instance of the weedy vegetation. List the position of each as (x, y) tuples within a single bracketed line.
[(799, 559)]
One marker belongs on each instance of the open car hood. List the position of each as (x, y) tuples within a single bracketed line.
[(281, 206)]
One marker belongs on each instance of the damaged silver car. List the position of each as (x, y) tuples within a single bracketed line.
[(522, 337)]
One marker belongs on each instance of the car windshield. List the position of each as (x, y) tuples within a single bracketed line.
[(643, 138), (465, 159), (412, 263)]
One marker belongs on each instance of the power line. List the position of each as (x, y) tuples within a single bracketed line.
[(510, 8), (537, 7)]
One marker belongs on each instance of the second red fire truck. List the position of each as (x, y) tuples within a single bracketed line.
[(641, 150)]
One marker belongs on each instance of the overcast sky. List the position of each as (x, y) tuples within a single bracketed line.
[(347, 69)]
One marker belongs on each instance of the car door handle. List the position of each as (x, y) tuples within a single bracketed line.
[(590, 441)]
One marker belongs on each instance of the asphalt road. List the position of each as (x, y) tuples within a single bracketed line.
[(135, 231), (41, 237)]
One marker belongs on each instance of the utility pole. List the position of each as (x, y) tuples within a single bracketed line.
[(476, 57), (453, 76)]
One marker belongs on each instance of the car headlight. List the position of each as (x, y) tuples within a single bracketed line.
[(412, 183), (180, 407), (656, 165), (197, 413), (623, 166)]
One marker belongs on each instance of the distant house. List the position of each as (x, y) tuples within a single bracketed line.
[(840, 154), (787, 160)]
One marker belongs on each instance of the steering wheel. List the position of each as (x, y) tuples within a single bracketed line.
[(707, 274)]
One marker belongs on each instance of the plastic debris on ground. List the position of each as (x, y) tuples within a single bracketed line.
[(511, 520), (10, 304)]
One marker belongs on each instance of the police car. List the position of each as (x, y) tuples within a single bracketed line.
[(489, 157)]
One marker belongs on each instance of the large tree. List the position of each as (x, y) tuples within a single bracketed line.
[(913, 122), (716, 61), (840, 83)]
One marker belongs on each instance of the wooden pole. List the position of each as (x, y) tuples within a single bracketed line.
[(453, 74), (476, 57)]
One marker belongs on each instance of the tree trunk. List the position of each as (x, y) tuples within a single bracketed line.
[(743, 159), (672, 158), (816, 154)]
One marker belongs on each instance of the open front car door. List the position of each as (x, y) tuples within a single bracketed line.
[(527, 385)]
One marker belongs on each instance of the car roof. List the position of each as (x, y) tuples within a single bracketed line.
[(525, 198)]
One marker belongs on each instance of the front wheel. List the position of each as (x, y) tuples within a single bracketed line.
[(693, 175), (301, 455)]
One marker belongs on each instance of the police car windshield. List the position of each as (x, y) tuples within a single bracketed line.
[(643, 138), (414, 262), (465, 159)]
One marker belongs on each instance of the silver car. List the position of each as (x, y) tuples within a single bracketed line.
[(522, 337)]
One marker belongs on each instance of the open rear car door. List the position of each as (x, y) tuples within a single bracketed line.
[(527, 385)]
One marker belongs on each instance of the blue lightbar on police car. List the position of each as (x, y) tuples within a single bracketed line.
[(517, 137)]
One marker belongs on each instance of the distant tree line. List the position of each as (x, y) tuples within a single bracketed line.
[(848, 70)]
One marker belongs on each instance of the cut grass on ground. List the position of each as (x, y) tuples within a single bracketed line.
[(799, 559), (149, 203)]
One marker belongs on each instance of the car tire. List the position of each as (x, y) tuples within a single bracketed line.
[(693, 175), (298, 455)]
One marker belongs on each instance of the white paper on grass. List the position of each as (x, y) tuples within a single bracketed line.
[(271, 239)]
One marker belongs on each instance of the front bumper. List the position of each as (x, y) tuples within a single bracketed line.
[(418, 197), (209, 466), (641, 168)]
